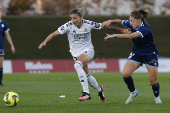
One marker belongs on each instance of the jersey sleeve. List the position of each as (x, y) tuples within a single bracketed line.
[(93, 25), (126, 23), (143, 31), (6, 29), (96, 25), (64, 28)]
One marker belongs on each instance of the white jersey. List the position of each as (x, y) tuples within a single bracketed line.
[(79, 39)]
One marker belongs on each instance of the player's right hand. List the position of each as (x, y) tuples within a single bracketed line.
[(41, 45), (126, 31)]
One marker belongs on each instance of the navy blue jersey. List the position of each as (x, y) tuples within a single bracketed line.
[(143, 45), (3, 29)]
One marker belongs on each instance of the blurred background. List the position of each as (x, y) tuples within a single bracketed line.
[(92, 7), (31, 21)]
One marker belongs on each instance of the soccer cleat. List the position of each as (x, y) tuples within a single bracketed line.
[(101, 95), (158, 100), (132, 96), (85, 96), (1, 84)]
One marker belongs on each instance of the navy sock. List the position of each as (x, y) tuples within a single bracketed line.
[(129, 83), (1, 74), (155, 89)]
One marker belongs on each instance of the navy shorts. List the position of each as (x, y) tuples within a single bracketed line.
[(150, 60), (2, 52)]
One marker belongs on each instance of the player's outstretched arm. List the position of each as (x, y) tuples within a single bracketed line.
[(107, 25), (109, 22), (48, 38), (123, 31), (123, 36)]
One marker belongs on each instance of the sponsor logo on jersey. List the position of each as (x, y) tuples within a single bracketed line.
[(80, 36)]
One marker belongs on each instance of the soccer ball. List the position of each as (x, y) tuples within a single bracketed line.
[(11, 99)]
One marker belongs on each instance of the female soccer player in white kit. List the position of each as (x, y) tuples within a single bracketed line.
[(79, 35)]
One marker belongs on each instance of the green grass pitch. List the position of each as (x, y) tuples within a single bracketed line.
[(39, 93)]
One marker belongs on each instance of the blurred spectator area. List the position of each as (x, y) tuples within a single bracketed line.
[(92, 7)]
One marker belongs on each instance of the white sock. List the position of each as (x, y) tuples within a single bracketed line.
[(82, 76), (93, 83)]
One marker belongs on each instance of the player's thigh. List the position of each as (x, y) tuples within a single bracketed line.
[(153, 74), (1, 61), (84, 59), (129, 68)]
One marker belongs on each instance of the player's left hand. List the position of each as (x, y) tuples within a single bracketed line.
[(13, 49), (41, 45), (108, 36)]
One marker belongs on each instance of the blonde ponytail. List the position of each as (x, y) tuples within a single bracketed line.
[(81, 9)]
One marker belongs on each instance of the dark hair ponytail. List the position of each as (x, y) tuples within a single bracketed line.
[(140, 14)]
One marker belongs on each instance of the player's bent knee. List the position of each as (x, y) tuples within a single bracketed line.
[(125, 74), (78, 64), (153, 79)]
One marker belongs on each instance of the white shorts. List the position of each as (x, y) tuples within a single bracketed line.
[(90, 52)]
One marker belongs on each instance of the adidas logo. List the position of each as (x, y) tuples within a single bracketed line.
[(82, 81), (74, 31)]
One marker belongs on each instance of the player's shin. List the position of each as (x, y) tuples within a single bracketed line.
[(82, 75), (129, 83), (155, 89), (93, 83)]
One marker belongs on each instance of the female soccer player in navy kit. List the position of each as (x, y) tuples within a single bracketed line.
[(4, 30), (144, 51)]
